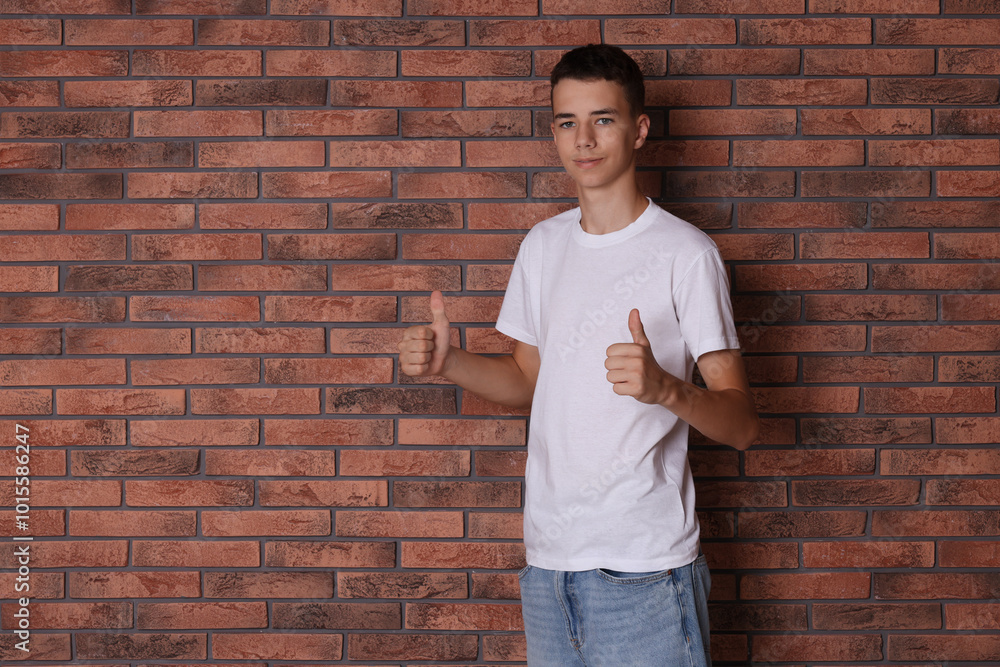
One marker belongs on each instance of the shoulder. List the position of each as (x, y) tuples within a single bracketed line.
[(687, 238)]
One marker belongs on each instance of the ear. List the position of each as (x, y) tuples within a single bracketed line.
[(642, 129)]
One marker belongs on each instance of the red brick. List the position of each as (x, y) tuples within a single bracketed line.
[(771, 369), (151, 308), (336, 122), (471, 7), (856, 492), (192, 185), (327, 554), (969, 61), (866, 184), (951, 462), (407, 278), (394, 32), (327, 184), (395, 215), (254, 92), (969, 276), (670, 31), (968, 369), (404, 94), (868, 369), (457, 494), (779, 648), (973, 616), (967, 121), (75, 63), (734, 61), (730, 184), (479, 555), (688, 93), (496, 525), (500, 432), (384, 585), (935, 523), (408, 153), (265, 400), (487, 123), (326, 371), (329, 309), (422, 646), (866, 121), (228, 7), (970, 307), (337, 7), (796, 92), (261, 154), (408, 463), (935, 213), (845, 307), (876, 616), (400, 524), (864, 245), (783, 463), (967, 553), (276, 646), (534, 33), (944, 338), (868, 61), (934, 91), (182, 615), (798, 338), (512, 216), (268, 32), (62, 371), (944, 152), (104, 646), (466, 63), (797, 153), (499, 153), (140, 93), (971, 6), (201, 553), (806, 585), (454, 185), (261, 277), (755, 278), (121, 401), (268, 522), (806, 399), (74, 124), (968, 184), (805, 31), (328, 493), (574, 7), (133, 32), (181, 432), (740, 6), (937, 31), (195, 62), (29, 279), (188, 493), (461, 246), (507, 93), (755, 246), (874, 6), (753, 555), (963, 492), (948, 648), (929, 399), (331, 246), (953, 430), (801, 214), (741, 494), (730, 122), (280, 463), (503, 463), (849, 554)]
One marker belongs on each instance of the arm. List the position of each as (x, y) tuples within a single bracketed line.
[(508, 379), (724, 412)]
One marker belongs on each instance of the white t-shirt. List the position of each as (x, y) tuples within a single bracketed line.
[(607, 478)]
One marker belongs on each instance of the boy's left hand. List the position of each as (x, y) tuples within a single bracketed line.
[(633, 370)]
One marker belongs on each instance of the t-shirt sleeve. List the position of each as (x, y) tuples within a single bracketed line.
[(704, 309), (516, 318)]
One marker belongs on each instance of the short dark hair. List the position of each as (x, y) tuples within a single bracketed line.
[(603, 61)]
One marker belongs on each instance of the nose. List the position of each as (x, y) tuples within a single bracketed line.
[(585, 136)]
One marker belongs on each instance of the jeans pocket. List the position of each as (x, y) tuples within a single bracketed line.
[(524, 571), (631, 578)]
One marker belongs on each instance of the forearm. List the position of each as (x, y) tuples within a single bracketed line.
[(727, 416), (498, 379)]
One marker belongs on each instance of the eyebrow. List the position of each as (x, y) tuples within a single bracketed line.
[(610, 111)]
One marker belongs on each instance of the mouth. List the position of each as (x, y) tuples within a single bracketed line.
[(587, 163)]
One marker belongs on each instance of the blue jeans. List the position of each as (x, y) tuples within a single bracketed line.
[(606, 618)]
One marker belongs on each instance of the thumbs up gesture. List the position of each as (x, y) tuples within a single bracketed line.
[(633, 370), (424, 349)]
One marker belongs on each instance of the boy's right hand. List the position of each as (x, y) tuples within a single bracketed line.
[(425, 348)]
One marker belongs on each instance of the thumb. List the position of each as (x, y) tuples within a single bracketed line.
[(635, 326), (437, 307)]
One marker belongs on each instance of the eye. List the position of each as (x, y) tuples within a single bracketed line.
[(567, 124), (601, 120)]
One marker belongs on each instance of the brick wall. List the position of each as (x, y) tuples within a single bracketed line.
[(218, 217)]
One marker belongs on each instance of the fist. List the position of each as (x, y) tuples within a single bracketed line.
[(632, 369), (425, 349)]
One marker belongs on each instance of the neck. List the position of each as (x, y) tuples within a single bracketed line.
[(608, 210)]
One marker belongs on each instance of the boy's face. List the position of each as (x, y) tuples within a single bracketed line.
[(595, 133)]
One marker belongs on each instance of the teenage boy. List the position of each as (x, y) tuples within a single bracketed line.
[(610, 305)]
